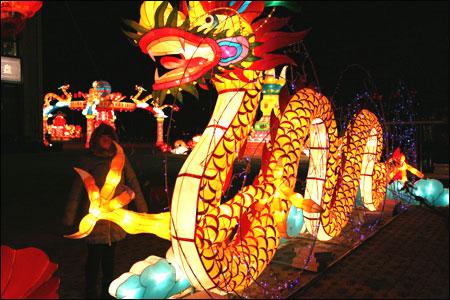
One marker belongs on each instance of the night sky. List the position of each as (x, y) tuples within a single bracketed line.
[(392, 41)]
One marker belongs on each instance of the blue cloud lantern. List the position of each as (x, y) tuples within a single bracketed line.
[(394, 191), (442, 199), (131, 289), (429, 189), (294, 221), (156, 281)]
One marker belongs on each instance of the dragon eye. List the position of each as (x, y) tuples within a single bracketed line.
[(211, 20)]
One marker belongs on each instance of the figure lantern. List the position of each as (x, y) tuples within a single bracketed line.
[(15, 14), (104, 206), (398, 160), (221, 41)]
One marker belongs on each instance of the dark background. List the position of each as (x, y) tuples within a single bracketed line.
[(387, 41)]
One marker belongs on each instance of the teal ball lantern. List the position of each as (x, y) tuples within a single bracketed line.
[(158, 280), (429, 189), (179, 286), (394, 192), (442, 199), (294, 221), (130, 289)]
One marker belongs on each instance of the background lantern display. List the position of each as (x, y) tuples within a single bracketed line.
[(98, 107), (157, 111)]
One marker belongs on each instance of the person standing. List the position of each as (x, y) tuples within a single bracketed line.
[(102, 241)]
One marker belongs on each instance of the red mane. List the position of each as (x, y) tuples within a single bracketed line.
[(264, 32)]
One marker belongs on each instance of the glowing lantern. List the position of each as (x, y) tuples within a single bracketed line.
[(48, 108), (15, 13), (131, 289), (152, 278), (294, 221), (397, 191), (27, 274), (180, 147), (158, 279), (195, 139), (103, 87), (226, 44), (401, 166), (442, 199), (430, 189)]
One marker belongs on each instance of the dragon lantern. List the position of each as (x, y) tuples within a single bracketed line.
[(225, 247)]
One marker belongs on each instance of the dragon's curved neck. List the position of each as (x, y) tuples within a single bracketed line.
[(198, 188)]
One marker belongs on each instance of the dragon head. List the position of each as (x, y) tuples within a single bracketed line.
[(217, 40)]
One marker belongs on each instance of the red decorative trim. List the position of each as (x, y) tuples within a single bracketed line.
[(311, 219), (217, 126), (232, 90), (190, 175), (316, 178), (182, 239)]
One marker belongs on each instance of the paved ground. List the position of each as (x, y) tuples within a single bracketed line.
[(408, 258)]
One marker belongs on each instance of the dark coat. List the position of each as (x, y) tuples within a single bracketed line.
[(77, 207)]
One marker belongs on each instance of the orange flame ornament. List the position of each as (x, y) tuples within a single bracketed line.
[(400, 167), (104, 206)]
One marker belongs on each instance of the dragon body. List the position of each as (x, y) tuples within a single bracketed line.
[(224, 247)]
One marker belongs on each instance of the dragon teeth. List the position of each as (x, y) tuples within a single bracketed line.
[(151, 55), (182, 42)]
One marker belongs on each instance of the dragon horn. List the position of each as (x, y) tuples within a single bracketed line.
[(283, 73)]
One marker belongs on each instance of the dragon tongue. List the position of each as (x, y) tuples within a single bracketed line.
[(170, 62)]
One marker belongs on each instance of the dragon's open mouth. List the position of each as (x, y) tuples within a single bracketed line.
[(197, 55)]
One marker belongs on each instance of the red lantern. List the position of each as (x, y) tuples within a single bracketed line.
[(14, 15)]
